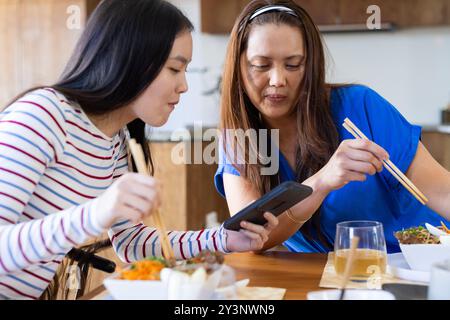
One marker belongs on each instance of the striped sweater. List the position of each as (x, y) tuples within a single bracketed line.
[(54, 163)]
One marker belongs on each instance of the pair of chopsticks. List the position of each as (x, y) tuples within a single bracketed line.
[(349, 266), (157, 220), (353, 129)]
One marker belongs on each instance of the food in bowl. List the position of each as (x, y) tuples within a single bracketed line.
[(156, 278), (421, 249), (416, 235), (208, 260), (147, 269), (150, 268)]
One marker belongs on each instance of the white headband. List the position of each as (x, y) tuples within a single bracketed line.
[(272, 8)]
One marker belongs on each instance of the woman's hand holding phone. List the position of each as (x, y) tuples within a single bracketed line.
[(251, 236)]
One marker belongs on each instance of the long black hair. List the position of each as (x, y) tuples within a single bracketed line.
[(122, 50)]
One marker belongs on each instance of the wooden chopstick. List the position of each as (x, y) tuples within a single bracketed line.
[(349, 266), (389, 165), (138, 155), (139, 159), (165, 243), (404, 183)]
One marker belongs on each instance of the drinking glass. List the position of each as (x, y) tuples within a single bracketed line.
[(370, 256)]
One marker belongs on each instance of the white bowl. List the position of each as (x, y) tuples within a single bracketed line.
[(135, 289), (445, 240), (174, 285), (350, 294), (421, 257)]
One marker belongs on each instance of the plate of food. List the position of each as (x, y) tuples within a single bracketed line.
[(423, 246), (156, 279)]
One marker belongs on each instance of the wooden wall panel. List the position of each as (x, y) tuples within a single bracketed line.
[(46, 41), (36, 42), (188, 190), (202, 196), (173, 178), (10, 53)]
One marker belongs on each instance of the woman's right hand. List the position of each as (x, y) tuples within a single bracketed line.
[(132, 197), (352, 161)]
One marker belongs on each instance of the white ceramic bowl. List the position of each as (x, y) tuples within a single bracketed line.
[(173, 285), (135, 289), (350, 294), (420, 257)]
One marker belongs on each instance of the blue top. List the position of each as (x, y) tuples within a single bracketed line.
[(381, 197)]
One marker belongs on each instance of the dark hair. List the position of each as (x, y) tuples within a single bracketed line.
[(317, 134), (121, 51)]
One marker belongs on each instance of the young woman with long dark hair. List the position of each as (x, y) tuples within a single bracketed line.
[(64, 176)]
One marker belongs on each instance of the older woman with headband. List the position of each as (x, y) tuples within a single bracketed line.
[(274, 78), (64, 177)]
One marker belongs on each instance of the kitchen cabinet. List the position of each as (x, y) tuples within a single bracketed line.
[(219, 16), (323, 12), (426, 13), (37, 38)]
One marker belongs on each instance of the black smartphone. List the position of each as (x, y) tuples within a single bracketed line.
[(276, 201)]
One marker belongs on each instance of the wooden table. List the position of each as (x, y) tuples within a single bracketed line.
[(299, 273)]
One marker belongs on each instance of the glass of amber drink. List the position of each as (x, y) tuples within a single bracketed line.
[(370, 256)]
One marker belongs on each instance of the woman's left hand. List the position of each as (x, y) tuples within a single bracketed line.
[(251, 237)]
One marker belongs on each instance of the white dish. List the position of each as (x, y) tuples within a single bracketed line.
[(176, 285), (135, 289), (350, 294), (398, 267), (421, 257), (445, 240)]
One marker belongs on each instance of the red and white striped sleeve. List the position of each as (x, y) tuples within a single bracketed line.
[(135, 242), (32, 136), (121, 167)]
